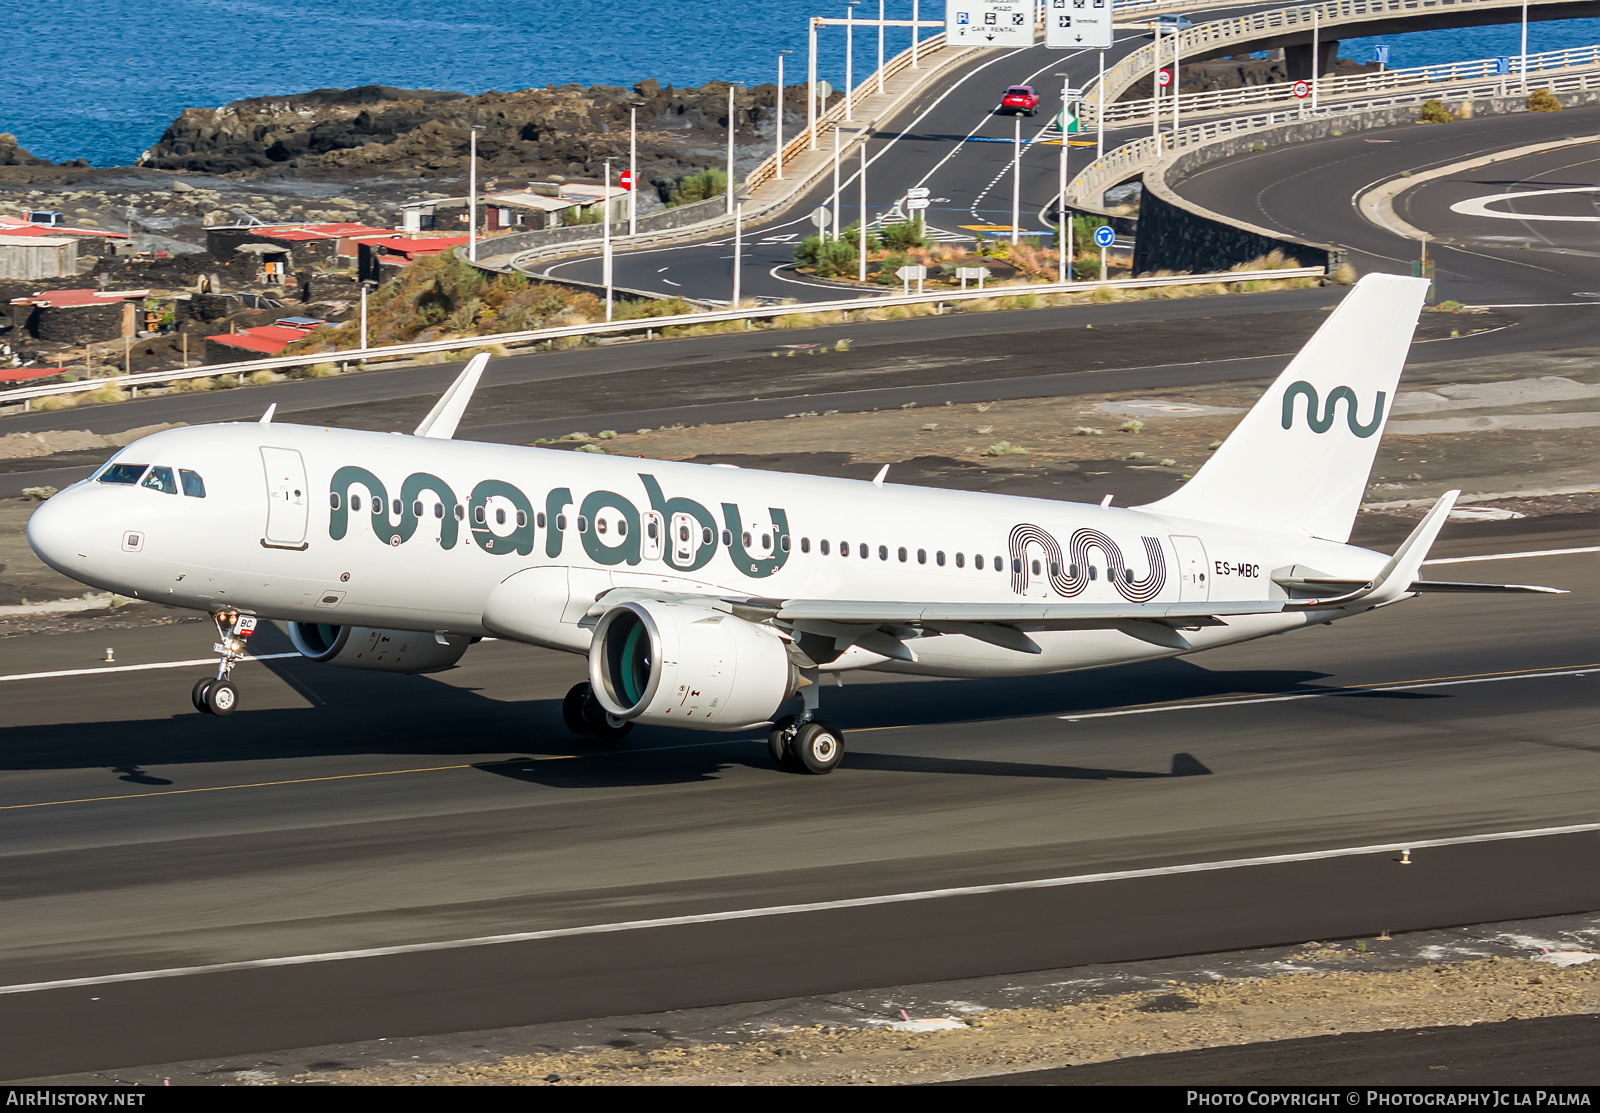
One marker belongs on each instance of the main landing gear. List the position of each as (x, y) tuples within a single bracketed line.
[(216, 695), (804, 743), (583, 715)]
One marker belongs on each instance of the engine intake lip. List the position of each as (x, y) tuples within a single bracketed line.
[(320, 641), (625, 663)]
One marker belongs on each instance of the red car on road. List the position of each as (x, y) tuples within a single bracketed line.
[(1019, 98)]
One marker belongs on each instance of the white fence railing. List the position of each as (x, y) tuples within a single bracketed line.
[(643, 324), (1084, 191), (1125, 113), (1212, 36)]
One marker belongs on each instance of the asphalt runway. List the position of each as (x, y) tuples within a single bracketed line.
[(341, 811)]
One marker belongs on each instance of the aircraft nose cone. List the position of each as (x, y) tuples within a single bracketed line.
[(59, 536)]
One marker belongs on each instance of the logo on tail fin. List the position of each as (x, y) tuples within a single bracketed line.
[(1325, 422)]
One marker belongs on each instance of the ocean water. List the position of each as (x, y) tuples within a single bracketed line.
[(101, 79)]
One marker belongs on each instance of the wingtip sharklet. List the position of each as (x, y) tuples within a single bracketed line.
[(446, 414)]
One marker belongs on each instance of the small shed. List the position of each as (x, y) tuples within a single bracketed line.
[(79, 316), (31, 257)]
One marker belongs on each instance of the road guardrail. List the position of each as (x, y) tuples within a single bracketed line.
[(1211, 36), (1551, 63), (644, 324), (1086, 189)]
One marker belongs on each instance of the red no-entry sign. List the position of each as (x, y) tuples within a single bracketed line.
[(625, 179)]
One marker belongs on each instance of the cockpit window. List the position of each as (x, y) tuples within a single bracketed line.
[(193, 485), (123, 473), (160, 479)]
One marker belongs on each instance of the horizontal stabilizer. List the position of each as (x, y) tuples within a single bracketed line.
[(1395, 578), (446, 414)]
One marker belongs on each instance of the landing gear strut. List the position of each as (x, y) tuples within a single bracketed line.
[(216, 695), (583, 715), (804, 743)]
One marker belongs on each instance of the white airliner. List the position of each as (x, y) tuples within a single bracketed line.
[(707, 597)]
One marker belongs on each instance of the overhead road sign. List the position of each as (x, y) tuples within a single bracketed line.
[(1104, 236), (1077, 24), (990, 22)]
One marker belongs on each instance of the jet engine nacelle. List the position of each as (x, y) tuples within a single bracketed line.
[(362, 647), (677, 664)]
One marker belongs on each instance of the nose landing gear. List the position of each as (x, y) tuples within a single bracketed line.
[(216, 695)]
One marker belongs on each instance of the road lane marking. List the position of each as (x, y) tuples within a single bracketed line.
[(1515, 556), (257, 784), (139, 668), (770, 911), (1352, 690)]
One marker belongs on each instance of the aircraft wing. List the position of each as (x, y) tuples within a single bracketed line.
[(834, 610)]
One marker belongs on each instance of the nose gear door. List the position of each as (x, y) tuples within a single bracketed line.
[(288, 504)]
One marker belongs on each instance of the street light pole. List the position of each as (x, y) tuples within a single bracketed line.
[(633, 169), (605, 233), (880, 46), (1063, 218), (730, 149), (1155, 91), (850, 59), (364, 287), (811, 82), (1016, 179), (835, 183), (781, 53), (1524, 63), (861, 266), (738, 250), (472, 199), (1316, 42), (1177, 81), (1100, 113), (916, 32)]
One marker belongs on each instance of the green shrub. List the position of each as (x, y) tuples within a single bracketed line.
[(1434, 112), (902, 235), (708, 183), (1543, 100)]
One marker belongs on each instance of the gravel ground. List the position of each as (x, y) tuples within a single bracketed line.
[(1178, 1017)]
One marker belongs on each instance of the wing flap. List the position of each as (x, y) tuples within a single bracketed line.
[(836, 610)]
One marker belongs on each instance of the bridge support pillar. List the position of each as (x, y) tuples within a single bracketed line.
[(1297, 59)]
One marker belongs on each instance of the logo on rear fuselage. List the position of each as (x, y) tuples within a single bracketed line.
[(1325, 422)]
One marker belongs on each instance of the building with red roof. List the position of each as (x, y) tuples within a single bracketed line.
[(262, 340)]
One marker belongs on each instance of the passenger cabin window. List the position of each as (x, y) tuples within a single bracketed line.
[(583, 524), (805, 544), (522, 519), (561, 521), (477, 514), (822, 546), (500, 517), (727, 537), (706, 535), (783, 543), (538, 519), (901, 554), (863, 550), (922, 556), (938, 558), (194, 486), (160, 479), (355, 503), (1091, 571), (745, 537), (438, 510), (999, 566), (397, 508), (977, 562), (123, 473), (961, 560), (416, 508), (333, 498), (650, 529), (461, 512)]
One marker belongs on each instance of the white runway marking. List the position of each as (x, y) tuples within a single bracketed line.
[(793, 909), (138, 668), (1206, 705), (1515, 556)]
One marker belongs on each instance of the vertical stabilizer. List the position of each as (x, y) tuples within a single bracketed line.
[(1300, 459)]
